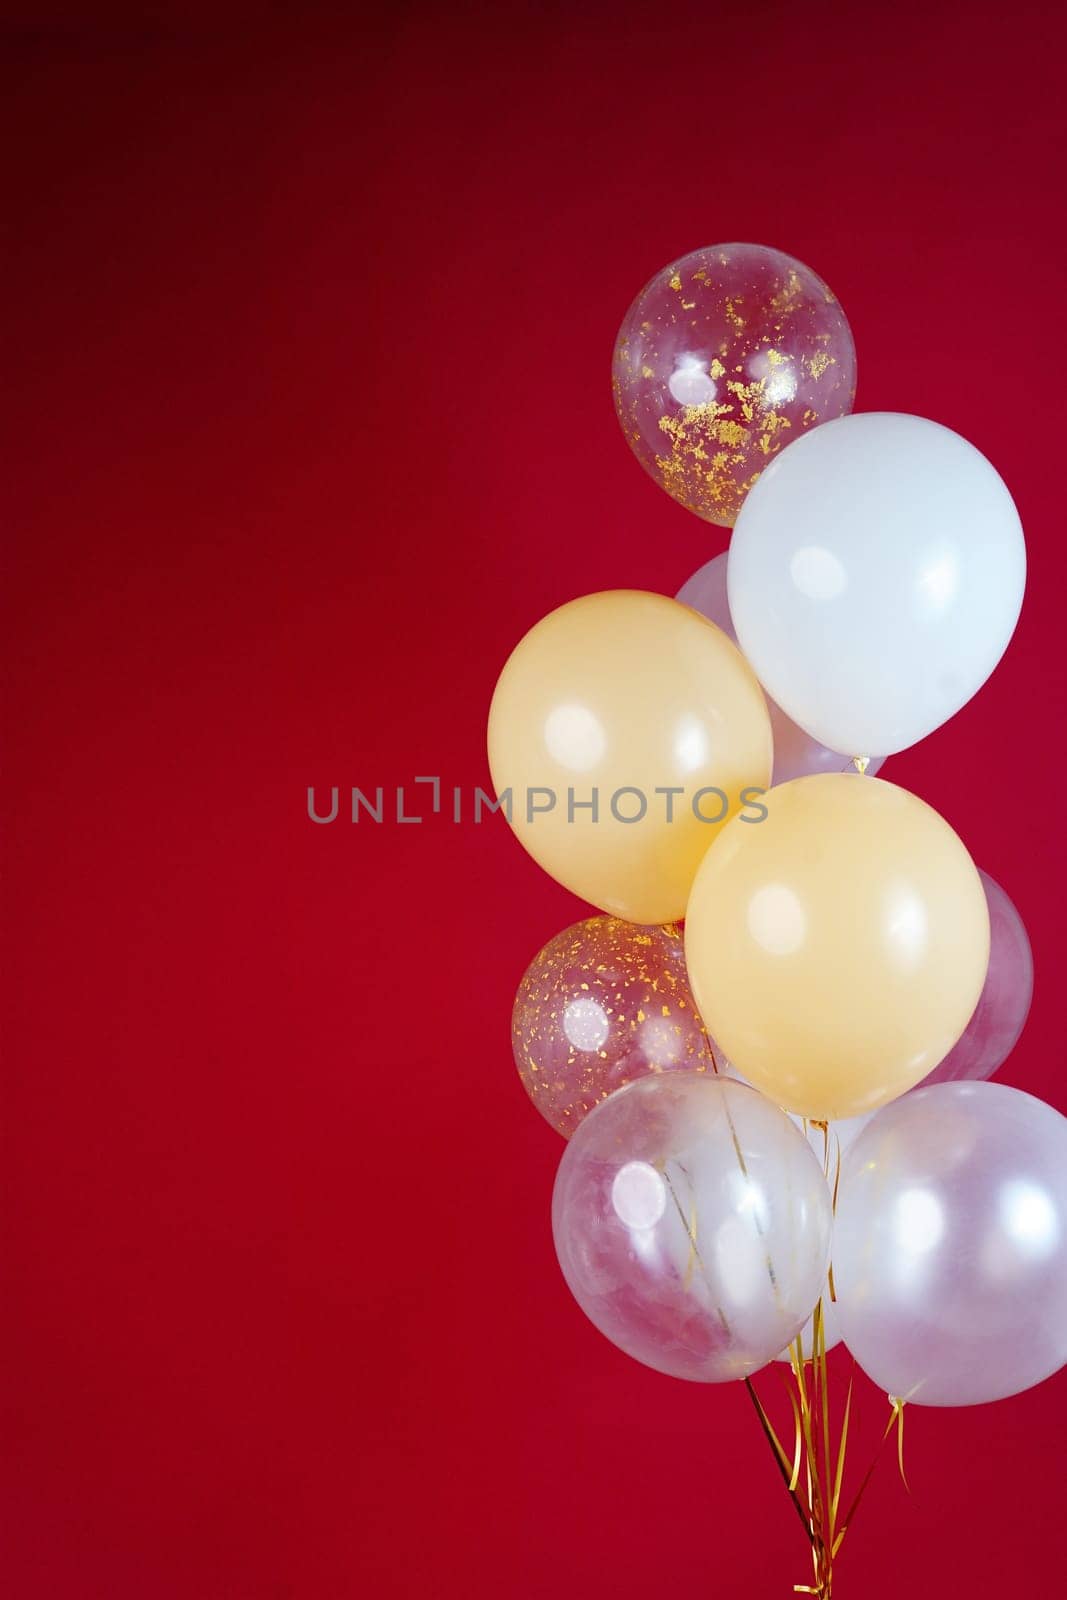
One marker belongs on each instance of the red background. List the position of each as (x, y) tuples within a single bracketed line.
[(309, 417)]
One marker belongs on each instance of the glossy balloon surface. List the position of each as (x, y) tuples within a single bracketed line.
[(723, 357), (604, 1002), (950, 1244), (876, 575), (837, 948), (692, 1224), (625, 729)]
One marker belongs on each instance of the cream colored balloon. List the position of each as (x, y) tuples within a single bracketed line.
[(641, 704), (837, 948)]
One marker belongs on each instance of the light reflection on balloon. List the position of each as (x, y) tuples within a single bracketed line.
[(638, 1195)]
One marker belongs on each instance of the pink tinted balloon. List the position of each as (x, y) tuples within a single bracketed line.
[(795, 753), (1002, 1009), (692, 1223), (604, 1002)]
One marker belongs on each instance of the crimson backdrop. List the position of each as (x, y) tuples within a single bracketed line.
[(310, 334)]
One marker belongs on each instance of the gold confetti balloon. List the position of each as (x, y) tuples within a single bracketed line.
[(605, 1001), (725, 357)]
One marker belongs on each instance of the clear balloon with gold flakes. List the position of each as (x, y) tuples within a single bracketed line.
[(604, 1002), (723, 359)]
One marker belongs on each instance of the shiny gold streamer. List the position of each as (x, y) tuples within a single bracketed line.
[(820, 1458), (818, 1503)]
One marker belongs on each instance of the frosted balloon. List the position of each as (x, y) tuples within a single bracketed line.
[(990, 1036), (692, 1224), (796, 753), (876, 575), (950, 1244)]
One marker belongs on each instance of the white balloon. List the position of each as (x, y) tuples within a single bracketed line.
[(795, 754), (876, 575)]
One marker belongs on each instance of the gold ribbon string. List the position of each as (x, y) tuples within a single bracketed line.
[(814, 1449), (780, 1457), (896, 1420)]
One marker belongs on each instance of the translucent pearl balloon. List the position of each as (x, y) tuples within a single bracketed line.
[(604, 1002), (950, 1244), (829, 1141), (796, 753), (723, 358), (829, 1147), (990, 1036), (692, 1223)]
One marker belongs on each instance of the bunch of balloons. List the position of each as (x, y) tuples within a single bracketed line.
[(780, 1129)]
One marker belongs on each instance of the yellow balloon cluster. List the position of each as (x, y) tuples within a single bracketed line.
[(836, 929)]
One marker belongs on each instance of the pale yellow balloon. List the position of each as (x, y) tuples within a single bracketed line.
[(838, 948), (620, 698)]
